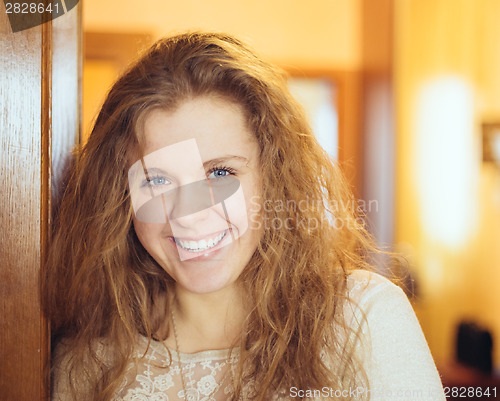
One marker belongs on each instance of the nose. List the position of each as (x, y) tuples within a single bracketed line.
[(184, 203), (189, 199), (190, 203)]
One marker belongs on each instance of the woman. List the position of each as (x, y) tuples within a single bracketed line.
[(207, 249)]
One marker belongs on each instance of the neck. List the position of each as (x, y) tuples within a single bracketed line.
[(208, 321)]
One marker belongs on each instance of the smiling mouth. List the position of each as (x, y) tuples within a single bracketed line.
[(202, 245)]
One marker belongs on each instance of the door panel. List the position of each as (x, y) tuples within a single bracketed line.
[(38, 123)]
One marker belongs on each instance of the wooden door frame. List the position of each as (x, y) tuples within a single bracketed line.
[(39, 124)]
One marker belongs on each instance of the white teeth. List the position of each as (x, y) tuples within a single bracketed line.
[(200, 246)]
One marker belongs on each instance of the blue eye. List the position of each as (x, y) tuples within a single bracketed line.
[(220, 172), (156, 181)]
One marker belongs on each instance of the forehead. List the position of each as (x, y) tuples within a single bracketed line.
[(217, 125)]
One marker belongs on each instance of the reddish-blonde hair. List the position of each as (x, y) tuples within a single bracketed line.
[(100, 283)]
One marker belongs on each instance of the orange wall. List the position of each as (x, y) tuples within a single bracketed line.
[(448, 202), (98, 76), (323, 33)]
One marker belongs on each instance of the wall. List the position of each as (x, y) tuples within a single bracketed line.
[(323, 33), (447, 58)]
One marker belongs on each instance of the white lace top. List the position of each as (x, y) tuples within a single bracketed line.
[(393, 349), (207, 376)]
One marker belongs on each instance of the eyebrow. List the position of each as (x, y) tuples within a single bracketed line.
[(224, 159), (209, 163), (154, 170)]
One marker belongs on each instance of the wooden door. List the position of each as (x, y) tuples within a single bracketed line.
[(39, 124)]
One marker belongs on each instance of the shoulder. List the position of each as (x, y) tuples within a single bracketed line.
[(73, 370), (380, 306), (396, 356), (62, 385), (372, 298), (363, 287)]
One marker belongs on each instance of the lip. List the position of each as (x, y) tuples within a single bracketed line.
[(208, 254), (203, 237)]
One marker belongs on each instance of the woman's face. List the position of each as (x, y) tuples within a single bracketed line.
[(192, 190)]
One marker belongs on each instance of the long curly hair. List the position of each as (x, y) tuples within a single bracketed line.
[(100, 283)]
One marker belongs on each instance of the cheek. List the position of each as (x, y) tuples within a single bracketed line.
[(253, 199), (147, 233), (242, 204)]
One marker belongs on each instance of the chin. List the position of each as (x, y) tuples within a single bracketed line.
[(206, 273), (203, 284)]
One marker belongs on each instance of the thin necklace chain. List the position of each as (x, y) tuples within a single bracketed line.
[(176, 338)]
